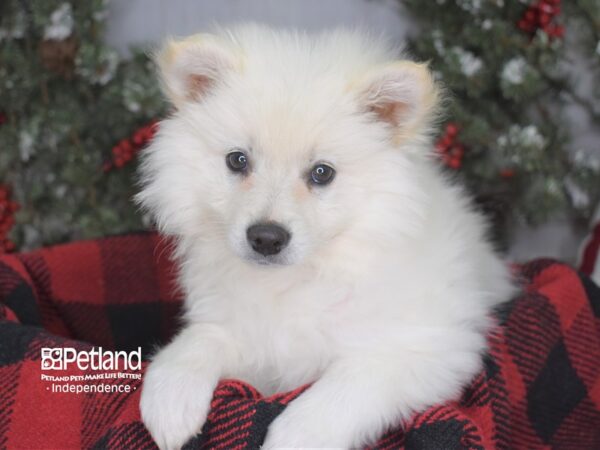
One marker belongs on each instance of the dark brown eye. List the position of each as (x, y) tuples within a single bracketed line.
[(237, 161), (322, 174)]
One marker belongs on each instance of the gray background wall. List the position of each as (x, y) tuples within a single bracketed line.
[(140, 22)]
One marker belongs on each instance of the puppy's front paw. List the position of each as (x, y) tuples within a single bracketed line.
[(174, 404), (298, 428)]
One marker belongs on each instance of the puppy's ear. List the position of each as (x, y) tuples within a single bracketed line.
[(402, 94), (190, 68)]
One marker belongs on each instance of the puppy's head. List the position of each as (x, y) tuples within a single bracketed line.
[(282, 147)]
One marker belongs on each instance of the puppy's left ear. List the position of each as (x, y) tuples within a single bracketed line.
[(402, 94), (192, 67)]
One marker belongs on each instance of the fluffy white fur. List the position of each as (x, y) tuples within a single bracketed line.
[(382, 298)]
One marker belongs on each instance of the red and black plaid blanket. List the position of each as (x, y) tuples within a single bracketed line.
[(540, 387)]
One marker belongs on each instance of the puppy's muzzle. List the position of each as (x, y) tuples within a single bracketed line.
[(267, 238)]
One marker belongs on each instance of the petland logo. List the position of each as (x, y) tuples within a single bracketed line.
[(95, 359)]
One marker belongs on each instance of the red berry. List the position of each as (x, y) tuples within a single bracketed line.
[(454, 163), (126, 145), (452, 129), (139, 137), (557, 31), (530, 15), (458, 150), (523, 25), (126, 149), (540, 15)]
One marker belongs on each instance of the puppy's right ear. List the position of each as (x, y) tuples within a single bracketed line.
[(190, 68)]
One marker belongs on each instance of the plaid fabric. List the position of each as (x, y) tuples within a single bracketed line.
[(540, 387)]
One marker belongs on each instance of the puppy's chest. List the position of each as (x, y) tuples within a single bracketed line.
[(289, 338), (283, 326)]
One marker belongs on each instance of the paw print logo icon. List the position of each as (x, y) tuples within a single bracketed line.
[(52, 358)]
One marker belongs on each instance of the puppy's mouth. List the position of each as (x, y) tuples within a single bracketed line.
[(268, 260)]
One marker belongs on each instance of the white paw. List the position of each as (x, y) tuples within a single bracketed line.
[(174, 404), (297, 428)]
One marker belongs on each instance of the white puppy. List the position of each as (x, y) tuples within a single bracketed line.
[(318, 240)]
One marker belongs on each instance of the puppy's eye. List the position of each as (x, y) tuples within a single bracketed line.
[(322, 174), (237, 161)]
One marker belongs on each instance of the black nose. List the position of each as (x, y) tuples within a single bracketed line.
[(267, 238)]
